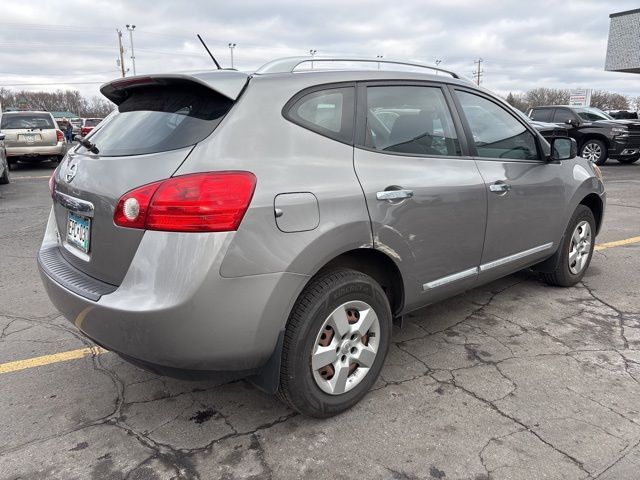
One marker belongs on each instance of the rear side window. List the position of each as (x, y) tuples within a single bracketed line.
[(328, 112), (161, 118), (410, 119), (562, 115), (16, 121), (541, 114)]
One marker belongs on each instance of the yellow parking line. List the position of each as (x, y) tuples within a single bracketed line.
[(30, 178), (48, 359), (617, 243)]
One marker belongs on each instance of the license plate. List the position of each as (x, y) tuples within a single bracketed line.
[(29, 138), (79, 231)]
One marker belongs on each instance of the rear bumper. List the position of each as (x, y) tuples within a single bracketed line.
[(34, 151), (173, 309)]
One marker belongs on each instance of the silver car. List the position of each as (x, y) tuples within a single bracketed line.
[(4, 163), (31, 136), (276, 224)]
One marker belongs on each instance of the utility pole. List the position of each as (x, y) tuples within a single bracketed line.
[(120, 52), (479, 71), (131, 28), (312, 52), (231, 47)]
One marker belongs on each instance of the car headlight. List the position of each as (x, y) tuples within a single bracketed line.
[(620, 132)]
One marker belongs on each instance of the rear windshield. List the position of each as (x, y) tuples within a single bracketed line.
[(92, 122), (16, 121), (160, 118)]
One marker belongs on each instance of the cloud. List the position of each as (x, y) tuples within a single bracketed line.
[(523, 44)]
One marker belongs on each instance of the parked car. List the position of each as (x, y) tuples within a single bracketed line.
[(547, 130), (77, 125), (274, 224), (4, 164), (31, 136), (598, 135), (622, 114), (88, 124)]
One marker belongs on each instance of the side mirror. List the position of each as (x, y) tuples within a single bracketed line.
[(563, 148), (571, 121)]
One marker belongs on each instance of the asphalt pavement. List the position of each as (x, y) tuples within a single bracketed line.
[(515, 379)]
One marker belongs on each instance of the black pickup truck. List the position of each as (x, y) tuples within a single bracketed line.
[(599, 136)]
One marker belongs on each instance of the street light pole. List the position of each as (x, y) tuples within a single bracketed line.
[(131, 28), (378, 56), (312, 53), (231, 47), (438, 62)]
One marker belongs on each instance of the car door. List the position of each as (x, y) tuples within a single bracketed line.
[(425, 197), (525, 192)]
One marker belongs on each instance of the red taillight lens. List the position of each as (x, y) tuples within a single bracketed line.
[(84, 131), (59, 136), (202, 202)]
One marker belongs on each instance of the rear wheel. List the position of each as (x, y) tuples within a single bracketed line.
[(335, 344), (627, 161), (5, 178), (576, 249), (595, 151)]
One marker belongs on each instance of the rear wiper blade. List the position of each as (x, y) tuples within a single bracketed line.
[(87, 144)]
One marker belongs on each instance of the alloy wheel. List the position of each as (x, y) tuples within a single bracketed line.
[(580, 247), (345, 348), (592, 152)]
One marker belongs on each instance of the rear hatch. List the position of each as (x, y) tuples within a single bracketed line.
[(28, 129), (159, 121)]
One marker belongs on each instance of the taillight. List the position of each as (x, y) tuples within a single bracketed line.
[(84, 131), (59, 136), (201, 202)]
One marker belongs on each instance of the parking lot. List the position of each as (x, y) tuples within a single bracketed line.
[(515, 379)]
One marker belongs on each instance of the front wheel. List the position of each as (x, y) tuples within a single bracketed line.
[(576, 249), (595, 151), (335, 343)]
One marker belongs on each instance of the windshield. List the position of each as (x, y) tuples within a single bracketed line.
[(160, 118), (16, 121), (591, 114)]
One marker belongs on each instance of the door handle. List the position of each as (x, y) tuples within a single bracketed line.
[(394, 194), (499, 187)]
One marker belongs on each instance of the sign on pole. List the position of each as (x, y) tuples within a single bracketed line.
[(580, 97)]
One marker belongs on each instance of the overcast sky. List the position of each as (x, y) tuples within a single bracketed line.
[(73, 43)]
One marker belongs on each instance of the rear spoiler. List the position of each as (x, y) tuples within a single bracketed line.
[(228, 83)]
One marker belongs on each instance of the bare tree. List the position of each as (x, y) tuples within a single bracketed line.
[(60, 100)]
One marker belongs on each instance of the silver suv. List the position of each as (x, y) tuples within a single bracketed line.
[(31, 136), (275, 224)]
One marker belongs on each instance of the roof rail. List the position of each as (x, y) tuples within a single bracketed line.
[(289, 64)]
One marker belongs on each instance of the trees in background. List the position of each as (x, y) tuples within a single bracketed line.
[(556, 96), (60, 100)]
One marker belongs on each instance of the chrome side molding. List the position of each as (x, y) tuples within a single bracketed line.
[(516, 256), (450, 278)]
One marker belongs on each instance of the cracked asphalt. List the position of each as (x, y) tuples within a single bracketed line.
[(511, 380)]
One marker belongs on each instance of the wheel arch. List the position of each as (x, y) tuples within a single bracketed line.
[(595, 204), (594, 136)]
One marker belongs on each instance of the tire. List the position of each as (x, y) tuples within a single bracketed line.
[(595, 151), (628, 161), (55, 161), (5, 178), (567, 273), (311, 324)]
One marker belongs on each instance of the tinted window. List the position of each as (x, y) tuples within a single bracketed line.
[(26, 120), (329, 112), (541, 114), (410, 119), (562, 115), (92, 122), (161, 118), (496, 133)]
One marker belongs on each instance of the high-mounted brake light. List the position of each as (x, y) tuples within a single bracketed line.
[(201, 202)]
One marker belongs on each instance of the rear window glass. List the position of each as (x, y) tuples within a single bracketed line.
[(92, 122), (26, 120), (328, 112), (160, 118), (541, 114)]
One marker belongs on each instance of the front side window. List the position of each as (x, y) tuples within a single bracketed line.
[(410, 119), (328, 112), (592, 114), (497, 133)]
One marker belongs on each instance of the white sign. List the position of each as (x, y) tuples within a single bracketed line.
[(580, 97)]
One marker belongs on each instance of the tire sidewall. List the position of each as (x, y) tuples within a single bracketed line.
[(358, 287)]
